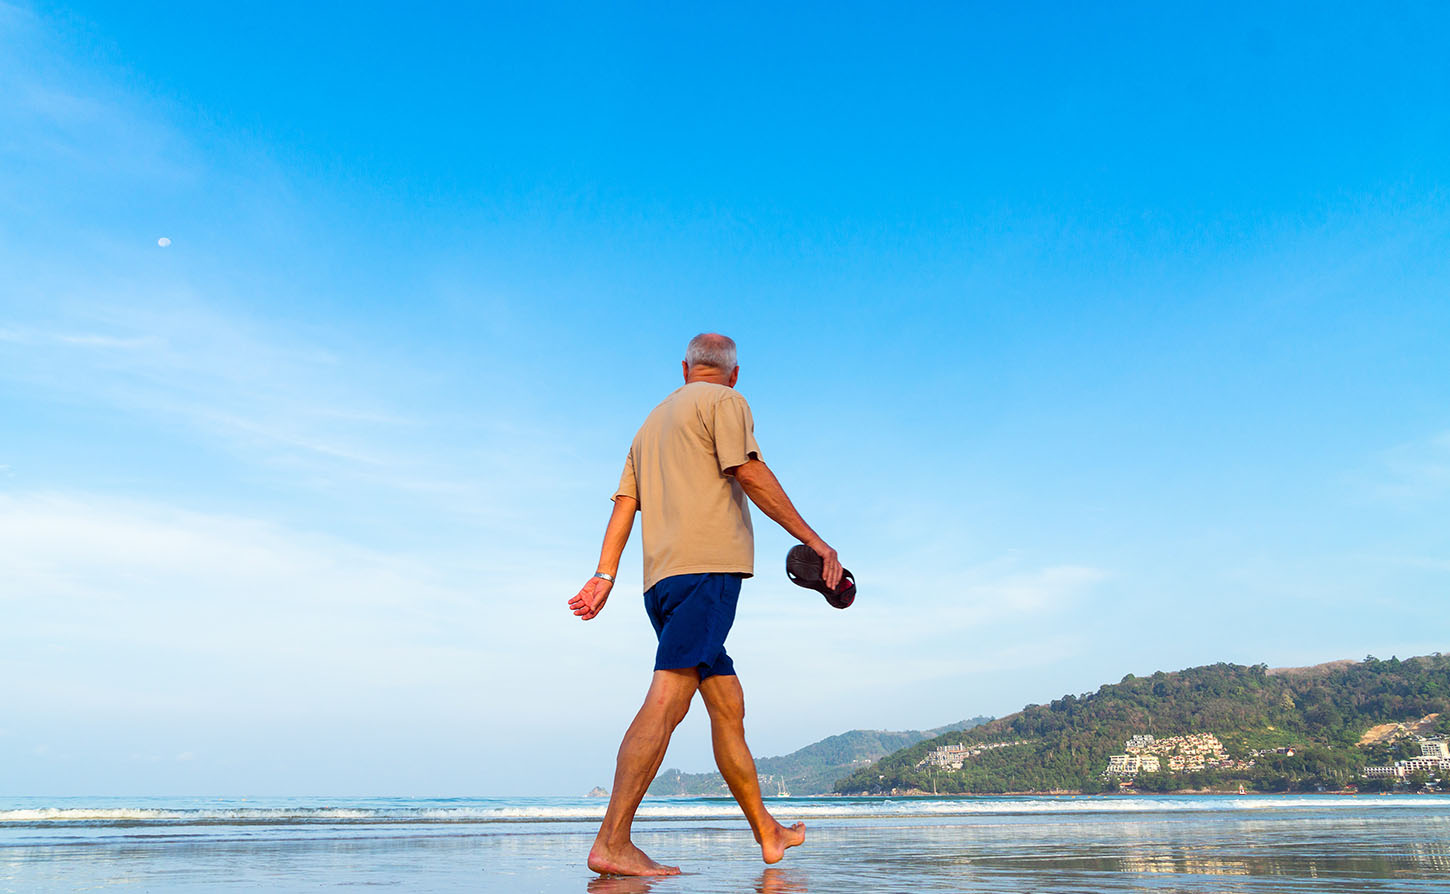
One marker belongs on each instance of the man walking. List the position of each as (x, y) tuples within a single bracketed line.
[(689, 469)]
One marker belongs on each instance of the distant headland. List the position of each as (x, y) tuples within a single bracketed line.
[(1366, 725), (1371, 725)]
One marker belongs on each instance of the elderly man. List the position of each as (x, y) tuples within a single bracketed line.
[(689, 469)]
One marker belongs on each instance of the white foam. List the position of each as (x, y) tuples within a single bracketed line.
[(692, 809)]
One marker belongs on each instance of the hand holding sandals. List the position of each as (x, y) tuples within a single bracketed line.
[(831, 569)]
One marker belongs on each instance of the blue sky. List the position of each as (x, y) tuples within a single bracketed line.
[(1097, 341)]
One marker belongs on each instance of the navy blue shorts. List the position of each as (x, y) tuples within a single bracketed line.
[(692, 614)]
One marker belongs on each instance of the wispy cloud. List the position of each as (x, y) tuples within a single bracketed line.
[(188, 361), (136, 585), (41, 338), (58, 119), (177, 627), (111, 341), (911, 629), (318, 416), (182, 355), (1414, 472)]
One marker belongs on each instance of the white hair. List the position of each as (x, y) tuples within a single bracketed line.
[(713, 350)]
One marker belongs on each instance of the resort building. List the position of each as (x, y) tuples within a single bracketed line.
[(952, 757), (1132, 764), (1182, 754), (1428, 765), (1424, 765), (949, 757)]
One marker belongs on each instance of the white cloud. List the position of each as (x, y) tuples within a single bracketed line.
[(925, 642), (110, 341), (138, 591), (275, 648), (318, 416), (162, 623), (1415, 472), (60, 119)]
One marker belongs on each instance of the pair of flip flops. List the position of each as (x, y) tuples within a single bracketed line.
[(805, 568)]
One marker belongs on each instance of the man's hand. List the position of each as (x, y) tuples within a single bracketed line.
[(595, 592), (590, 599), (831, 569)]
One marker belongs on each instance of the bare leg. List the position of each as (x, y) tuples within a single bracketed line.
[(725, 701), (640, 756)]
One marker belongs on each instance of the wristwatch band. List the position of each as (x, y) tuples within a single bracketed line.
[(608, 577)]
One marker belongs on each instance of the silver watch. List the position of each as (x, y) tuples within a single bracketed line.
[(608, 577)]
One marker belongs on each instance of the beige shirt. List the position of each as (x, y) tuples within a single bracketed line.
[(696, 518)]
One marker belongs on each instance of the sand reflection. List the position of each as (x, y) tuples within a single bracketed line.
[(620, 884), (772, 881), (780, 881)]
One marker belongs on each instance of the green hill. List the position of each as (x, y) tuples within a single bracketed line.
[(1319, 713), (811, 770)]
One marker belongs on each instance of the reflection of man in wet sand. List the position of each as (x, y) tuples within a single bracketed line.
[(689, 470), (771, 881)]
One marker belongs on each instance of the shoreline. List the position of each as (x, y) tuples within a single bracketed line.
[(1053, 793), (1059, 793)]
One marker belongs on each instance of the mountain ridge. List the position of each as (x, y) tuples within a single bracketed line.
[(812, 769)]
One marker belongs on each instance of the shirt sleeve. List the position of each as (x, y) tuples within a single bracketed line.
[(734, 430), (628, 483)]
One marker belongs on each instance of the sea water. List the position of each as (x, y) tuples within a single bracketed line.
[(1247, 843)]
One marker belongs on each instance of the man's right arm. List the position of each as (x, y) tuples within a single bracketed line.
[(589, 601), (764, 490)]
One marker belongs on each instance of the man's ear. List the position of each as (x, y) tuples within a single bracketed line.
[(685, 369), (734, 376)]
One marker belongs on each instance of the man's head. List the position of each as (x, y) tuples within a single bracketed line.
[(710, 357)]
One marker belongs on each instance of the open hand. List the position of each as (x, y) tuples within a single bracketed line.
[(590, 599), (831, 570)]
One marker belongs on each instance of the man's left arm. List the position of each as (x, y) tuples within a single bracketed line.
[(764, 490), (589, 601), (739, 457)]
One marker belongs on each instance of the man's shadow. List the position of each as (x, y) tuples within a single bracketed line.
[(771, 881)]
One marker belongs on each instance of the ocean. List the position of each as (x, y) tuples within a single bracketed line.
[(1162, 844)]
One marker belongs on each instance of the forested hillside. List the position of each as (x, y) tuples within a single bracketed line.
[(811, 770), (1064, 746)]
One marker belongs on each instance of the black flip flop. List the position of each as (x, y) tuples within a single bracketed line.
[(804, 565)]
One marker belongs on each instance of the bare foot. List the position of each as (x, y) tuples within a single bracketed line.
[(628, 860), (773, 842)]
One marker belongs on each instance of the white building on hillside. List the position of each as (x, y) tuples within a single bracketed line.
[(1131, 764)]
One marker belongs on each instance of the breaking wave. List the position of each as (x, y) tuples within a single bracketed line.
[(541, 810)]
